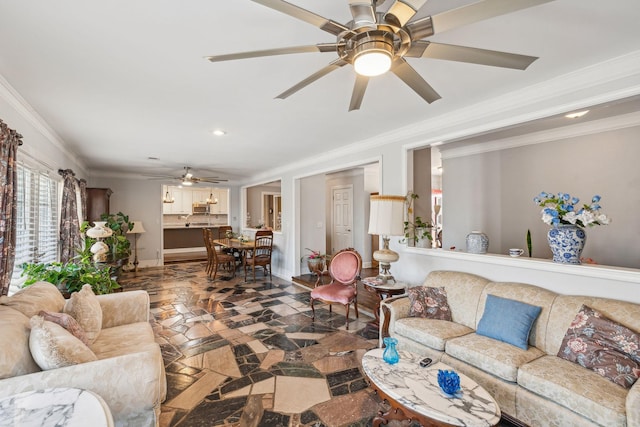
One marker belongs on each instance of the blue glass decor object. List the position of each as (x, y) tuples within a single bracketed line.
[(449, 382), (390, 354)]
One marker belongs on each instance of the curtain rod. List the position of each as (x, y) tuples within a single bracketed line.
[(46, 165)]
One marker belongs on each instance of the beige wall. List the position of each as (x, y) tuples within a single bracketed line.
[(494, 192)]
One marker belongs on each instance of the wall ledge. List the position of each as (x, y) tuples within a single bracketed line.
[(622, 274)]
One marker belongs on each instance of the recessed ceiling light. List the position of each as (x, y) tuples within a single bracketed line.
[(219, 132), (152, 158), (576, 114)]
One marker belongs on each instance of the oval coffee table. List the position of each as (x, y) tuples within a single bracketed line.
[(414, 394)]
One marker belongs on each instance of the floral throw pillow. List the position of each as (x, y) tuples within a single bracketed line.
[(430, 303), (604, 346)]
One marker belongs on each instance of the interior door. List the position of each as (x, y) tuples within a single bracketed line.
[(342, 235)]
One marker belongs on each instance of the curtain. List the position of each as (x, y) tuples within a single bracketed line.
[(70, 238), (9, 142), (82, 183)]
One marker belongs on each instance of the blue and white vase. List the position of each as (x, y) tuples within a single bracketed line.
[(566, 242), (477, 242)]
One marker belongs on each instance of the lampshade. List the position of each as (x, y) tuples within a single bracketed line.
[(137, 228), (387, 215)]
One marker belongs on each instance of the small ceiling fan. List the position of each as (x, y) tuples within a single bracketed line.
[(376, 42), (188, 178)]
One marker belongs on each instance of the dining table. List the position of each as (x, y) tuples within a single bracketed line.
[(241, 246)]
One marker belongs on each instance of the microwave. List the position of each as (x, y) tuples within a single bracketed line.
[(200, 209)]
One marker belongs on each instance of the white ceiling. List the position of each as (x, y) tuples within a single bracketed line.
[(121, 81)]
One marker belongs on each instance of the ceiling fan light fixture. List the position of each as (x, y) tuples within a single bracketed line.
[(373, 55), (187, 182)]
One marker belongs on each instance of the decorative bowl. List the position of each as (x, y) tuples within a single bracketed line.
[(449, 382)]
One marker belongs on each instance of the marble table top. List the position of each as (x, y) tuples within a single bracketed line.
[(377, 283), (417, 389), (55, 407)]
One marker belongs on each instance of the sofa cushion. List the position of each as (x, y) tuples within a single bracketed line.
[(124, 339), (429, 302), (576, 388), (430, 332), (508, 320), (67, 322), (85, 308), (33, 298), (52, 346), (495, 357), (14, 340), (463, 293), (604, 346)]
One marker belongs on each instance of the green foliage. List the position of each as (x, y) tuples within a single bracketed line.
[(71, 276), (529, 242), (418, 229), (119, 245)]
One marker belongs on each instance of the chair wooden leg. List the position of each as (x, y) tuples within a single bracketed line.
[(355, 305), (347, 321), (313, 310), (215, 271)]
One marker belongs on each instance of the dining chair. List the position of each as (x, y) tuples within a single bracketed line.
[(344, 270), (206, 235), (260, 255), (220, 258)]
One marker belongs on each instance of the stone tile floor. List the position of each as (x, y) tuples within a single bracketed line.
[(249, 354)]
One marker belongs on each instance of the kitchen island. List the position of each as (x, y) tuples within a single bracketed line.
[(186, 243)]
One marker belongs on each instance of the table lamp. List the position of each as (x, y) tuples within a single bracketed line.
[(386, 219), (99, 249), (136, 231)]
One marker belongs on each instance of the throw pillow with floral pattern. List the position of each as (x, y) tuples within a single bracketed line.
[(428, 302), (604, 346)]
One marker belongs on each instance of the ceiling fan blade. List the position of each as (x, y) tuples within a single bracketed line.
[(363, 12), (358, 92), (479, 11), (321, 47), (449, 52), (325, 24), (401, 11), (407, 74), (313, 77), (420, 28)]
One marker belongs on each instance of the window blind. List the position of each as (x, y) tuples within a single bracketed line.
[(37, 219)]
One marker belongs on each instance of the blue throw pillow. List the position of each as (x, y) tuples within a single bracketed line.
[(508, 320)]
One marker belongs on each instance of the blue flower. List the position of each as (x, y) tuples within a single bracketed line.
[(595, 199), (595, 206), (566, 196), (536, 200), (555, 221), (569, 208), (575, 200)]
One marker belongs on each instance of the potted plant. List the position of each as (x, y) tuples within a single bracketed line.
[(417, 232), (119, 245), (71, 276), (315, 260)]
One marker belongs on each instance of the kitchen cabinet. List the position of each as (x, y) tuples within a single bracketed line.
[(220, 208), (185, 198), (182, 201)]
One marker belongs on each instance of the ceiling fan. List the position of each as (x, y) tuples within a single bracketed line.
[(376, 42), (188, 178)]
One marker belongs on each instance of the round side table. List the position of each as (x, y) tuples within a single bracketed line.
[(68, 407), (382, 291)]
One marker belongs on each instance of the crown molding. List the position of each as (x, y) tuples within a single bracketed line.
[(27, 112), (565, 132)]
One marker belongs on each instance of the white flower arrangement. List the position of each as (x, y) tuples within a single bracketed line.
[(561, 209)]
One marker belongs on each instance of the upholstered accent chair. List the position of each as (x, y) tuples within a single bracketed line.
[(344, 270), (260, 255)]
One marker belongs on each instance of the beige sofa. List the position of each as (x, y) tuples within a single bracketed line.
[(129, 373), (534, 387)]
